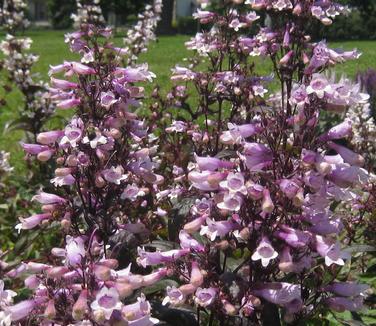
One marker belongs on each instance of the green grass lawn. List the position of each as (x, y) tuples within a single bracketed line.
[(162, 56)]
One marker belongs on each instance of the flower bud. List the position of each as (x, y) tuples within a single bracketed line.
[(99, 316), (44, 156), (32, 282), (102, 272), (57, 272), (80, 307), (72, 160), (196, 277), (50, 311), (100, 182), (124, 289), (229, 309), (62, 172)]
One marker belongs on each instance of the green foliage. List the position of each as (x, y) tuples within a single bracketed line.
[(60, 12), (186, 25), (123, 8)]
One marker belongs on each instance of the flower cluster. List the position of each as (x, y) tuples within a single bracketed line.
[(18, 63), (6, 299), (5, 167), (258, 200), (364, 130), (88, 12), (140, 35), (12, 16), (103, 184), (81, 287), (270, 187)]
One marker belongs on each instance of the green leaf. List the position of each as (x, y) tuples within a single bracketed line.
[(360, 248), (159, 287), (162, 245), (22, 123), (225, 153), (178, 216)]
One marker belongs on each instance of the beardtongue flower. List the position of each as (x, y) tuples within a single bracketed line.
[(347, 289), (6, 296), (49, 137), (75, 250), (264, 252), (341, 304), (257, 156), (155, 258), (22, 309), (237, 133), (231, 202), (234, 183), (205, 297), (32, 221), (115, 174), (214, 229), (206, 180), (212, 163), (330, 250), (294, 238), (173, 296), (188, 242), (319, 86), (282, 293), (289, 188), (46, 198), (342, 130), (106, 301)]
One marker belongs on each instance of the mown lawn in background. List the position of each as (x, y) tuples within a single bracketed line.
[(162, 56)]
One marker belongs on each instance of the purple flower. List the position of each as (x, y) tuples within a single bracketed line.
[(6, 296), (342, 130), (264, 252), (188, 242), (47, 199), (234, 183), (347, 289), (214, 229), (49, 137), (237, 133), (294, 238), (32, 221), (319, 86), (132, 192), (205, 297), (257, 156), (155, 258), (114, 174), (106, 301), (75, 250), (72, 135), (212, 163), (331, 251), (341, 304), (21, 310), (108, 99), (231, 202), (174, 296), (283, 294)]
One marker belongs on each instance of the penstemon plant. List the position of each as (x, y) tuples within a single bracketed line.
[(139, 36), (261, 207), (18, 63), (273, 200), (88, 12), (102, 193)]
